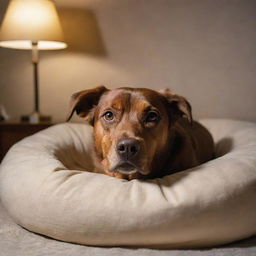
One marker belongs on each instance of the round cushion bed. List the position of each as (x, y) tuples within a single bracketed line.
[(47, 186)]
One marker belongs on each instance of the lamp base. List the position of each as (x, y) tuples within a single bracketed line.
[(36, 118)]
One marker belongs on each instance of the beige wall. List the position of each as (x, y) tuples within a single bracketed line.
[(202, 49)]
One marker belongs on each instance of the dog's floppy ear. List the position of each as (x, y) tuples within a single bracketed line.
[(178, 105), (83, 102)]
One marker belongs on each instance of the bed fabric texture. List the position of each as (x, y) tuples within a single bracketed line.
[(45, 186)]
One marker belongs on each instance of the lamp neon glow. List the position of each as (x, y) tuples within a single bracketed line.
[(32, 25)]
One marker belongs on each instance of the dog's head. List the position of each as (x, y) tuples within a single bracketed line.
[(132, 127)]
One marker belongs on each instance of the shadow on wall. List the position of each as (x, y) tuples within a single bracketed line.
[(3, 8), (81, 31)]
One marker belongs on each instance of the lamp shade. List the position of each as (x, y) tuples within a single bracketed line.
[(28, 21)]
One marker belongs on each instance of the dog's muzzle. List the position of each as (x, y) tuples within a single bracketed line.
[(127, 150)]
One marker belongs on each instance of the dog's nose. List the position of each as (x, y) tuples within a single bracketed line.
[(128, 148)]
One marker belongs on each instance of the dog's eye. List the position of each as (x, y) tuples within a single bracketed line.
[(108, 116), (152, 116)]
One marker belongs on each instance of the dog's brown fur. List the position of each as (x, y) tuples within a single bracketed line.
[(160, 123)]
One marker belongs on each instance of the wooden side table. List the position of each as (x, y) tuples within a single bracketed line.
[(10, 133)]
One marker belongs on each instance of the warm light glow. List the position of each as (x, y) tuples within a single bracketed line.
[(29, 21), (26, 45)]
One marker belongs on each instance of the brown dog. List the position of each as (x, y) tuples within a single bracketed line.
[(141, 133)]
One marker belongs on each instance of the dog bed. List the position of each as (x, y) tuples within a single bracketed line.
[(47, 187)]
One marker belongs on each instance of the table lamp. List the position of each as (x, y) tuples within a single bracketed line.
[(32, 25)]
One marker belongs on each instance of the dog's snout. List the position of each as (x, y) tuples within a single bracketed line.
[(128, 148)]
